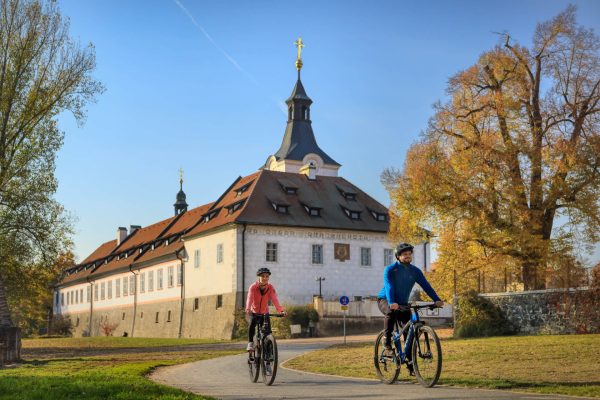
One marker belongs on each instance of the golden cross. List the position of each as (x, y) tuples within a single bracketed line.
[(299, 45)]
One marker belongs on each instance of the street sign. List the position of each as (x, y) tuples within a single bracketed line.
[(344, 308), (344, 300)]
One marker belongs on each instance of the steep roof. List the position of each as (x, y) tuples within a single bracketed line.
[(324, 193), (252, 199)]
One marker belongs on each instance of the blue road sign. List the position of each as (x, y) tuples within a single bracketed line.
[(344, 300)]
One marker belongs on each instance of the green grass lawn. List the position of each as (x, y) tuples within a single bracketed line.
[(114, 376), (568, 364)]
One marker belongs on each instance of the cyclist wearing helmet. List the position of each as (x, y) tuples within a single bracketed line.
[(399, 279), (259, 294)]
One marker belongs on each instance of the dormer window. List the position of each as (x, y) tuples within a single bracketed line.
[(312, 211), (239, 191), (379, 216), (348, 195), (355, 215), (235, 206), (289, 189), (210, 215), (280, 208)]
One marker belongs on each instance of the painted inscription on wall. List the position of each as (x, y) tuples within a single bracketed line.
[(307, 234)]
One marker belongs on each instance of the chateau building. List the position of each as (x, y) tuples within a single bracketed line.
[(186, 275)]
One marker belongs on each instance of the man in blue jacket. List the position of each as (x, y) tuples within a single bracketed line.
[(399, 279)]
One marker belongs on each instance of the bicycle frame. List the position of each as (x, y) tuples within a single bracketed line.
[(407, 330)]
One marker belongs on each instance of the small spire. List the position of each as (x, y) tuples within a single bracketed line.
[(180, 178), (299, 44)]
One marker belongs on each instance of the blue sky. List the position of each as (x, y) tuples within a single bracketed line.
[(201, 88)]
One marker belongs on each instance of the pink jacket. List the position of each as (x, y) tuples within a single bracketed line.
[(259, 303)]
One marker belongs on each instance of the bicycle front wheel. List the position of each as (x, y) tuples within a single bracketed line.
[(254, 365), (427, 356), (387, 367), (269, 360)]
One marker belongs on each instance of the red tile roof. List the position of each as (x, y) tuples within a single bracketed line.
[(248, 200)]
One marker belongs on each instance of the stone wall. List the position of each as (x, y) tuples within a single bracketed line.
[(554, 311), (213, 318)]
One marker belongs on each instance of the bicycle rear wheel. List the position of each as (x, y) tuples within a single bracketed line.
[(269, 360), (386, 367), (254, 365), (427, 356)]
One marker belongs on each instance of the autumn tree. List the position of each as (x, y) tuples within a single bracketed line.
[(43, 73), (516, 146)]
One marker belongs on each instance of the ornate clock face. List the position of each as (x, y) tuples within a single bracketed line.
[(342, 251)]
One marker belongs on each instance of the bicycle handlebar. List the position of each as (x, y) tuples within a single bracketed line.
[(267, 314), (431, 306)]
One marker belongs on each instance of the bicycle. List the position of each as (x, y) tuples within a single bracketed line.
[(264, 356), (421, 340)]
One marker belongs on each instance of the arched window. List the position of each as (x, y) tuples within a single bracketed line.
[(304, 112), (290, 113)]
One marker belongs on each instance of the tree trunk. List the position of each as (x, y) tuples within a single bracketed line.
[(5, 320)]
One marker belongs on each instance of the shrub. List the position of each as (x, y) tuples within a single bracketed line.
[(61, 325), (107, 328), (477, 316), (296, 315)]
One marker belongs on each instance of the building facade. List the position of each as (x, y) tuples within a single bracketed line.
[(185, 276)]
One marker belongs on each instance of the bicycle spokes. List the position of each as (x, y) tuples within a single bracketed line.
[(427, 356)]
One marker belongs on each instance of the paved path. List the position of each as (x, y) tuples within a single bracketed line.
[(227, 378)]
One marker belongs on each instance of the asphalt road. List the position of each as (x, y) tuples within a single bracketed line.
[(227, 378)]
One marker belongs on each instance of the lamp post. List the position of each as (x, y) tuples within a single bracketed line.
[(320, 279)]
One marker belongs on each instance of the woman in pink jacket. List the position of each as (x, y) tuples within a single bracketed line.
[(259, 294)]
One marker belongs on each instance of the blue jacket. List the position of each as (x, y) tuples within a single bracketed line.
[(398, 281)]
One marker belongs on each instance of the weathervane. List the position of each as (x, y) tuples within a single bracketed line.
[(299, 44)]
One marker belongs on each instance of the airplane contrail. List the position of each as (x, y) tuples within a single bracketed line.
[(280, 104)]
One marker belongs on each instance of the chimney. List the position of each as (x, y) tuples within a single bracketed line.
[(133, 228), (310, 170), (121, 234)]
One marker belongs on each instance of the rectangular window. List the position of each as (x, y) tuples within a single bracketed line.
[(143, 282), (77, 297), (103, 291), (89, 294), (159, 279), (57, 299), (96, 292), (271, 253), (156, 320), (170, 277), (179, 275), (197, 258), (150, 281), (68, 298), (219, 253), (169, 316), (365, 256), (125, 287), (123, 318), (317, 254), (132, 285), (219, 301), (81, 295), (62, 299), (196, 303), (388, 257), (117, 288), (109, 290)]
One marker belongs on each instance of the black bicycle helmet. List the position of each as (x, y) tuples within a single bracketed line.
[(402, 247), (263, 270)]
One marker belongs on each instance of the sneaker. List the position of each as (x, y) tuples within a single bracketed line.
[(250, 346), (411, 368)]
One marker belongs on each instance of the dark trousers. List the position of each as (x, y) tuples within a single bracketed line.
[(391, 316), (255, 320)]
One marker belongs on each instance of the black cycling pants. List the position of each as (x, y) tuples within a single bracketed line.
[(391, 316)]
